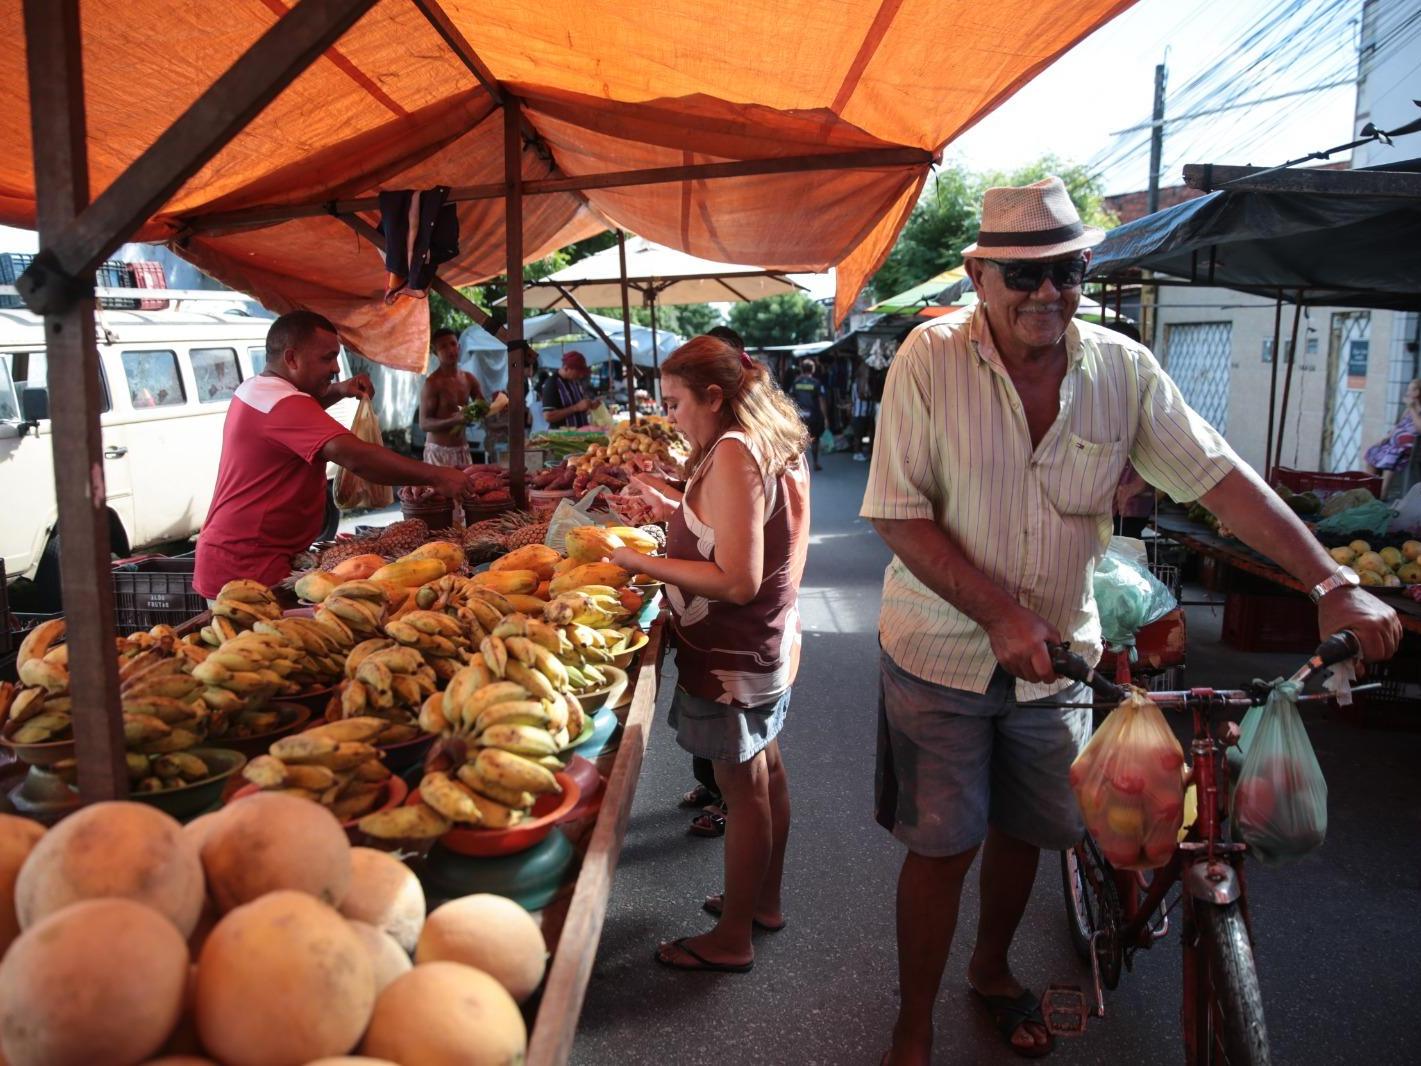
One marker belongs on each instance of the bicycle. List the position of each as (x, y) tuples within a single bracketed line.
[(1112, 915)]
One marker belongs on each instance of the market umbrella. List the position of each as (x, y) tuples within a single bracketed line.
[(560, 331)]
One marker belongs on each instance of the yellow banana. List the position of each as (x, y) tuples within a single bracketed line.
[(405, 823), (348, 730), (495, 654), (316, 778), (496, 815), (405, 690), (358, 654), (338, 630), (435, 624), (445, 667), (431, 715), (265, 771), (28, 702), (244, 590), (212, 673), (448, 798), (531, 679), (521, 649), (142, 728), (514, 798), (303, 747), (346, 756), (550, 666), (38, 641), (520, 739), (493, 597), (481, 699), (485, 613), (399, 660), (164, 708), (515, 772), (377, 678), (514, 712), (38, 673), (354, 699)]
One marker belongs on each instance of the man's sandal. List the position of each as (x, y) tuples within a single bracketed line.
[(716, 904), (709, 823), (1010, 1013), (696, 961), (699, 796)]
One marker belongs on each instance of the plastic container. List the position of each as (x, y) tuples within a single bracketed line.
[(201, 796), (479, 512), (155, 591), (532, 878), (436, 513), (550, 809), (1325, 485), (1257, 622)]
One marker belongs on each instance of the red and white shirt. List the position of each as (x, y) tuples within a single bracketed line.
[(270, 499)]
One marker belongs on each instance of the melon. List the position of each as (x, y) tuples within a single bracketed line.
[(265, 843), (446, 1014), (386, 893), (490, 933), (180, 1060), (99, 981), (202, 826), (281, 981), (348, 1060), (387, 959), (113, 849), (18, 837)]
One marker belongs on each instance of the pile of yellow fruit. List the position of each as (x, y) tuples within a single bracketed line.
[(1390, 567)]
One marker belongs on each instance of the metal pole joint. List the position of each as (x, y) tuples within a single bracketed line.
[(48, 289)]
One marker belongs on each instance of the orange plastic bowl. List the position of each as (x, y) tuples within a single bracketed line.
[(550, 809)]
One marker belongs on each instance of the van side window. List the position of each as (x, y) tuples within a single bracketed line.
[(216, 373), (257, 357), (9, 403), (153, 379), (31, 369)]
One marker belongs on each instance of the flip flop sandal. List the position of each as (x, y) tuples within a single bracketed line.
[(709, 823), (1010, 1013), (699, 962), (715, 904), (700, 796)]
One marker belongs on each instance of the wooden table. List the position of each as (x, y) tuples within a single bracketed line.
[(1200, 538)]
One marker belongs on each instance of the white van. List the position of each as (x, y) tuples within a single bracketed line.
[(167, 377)]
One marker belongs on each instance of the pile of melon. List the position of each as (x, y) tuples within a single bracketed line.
[(1389, 568), (254, 936)]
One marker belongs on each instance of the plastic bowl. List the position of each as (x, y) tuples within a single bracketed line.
[(591, 786), (407, 753), (314, 700), (294, 717), (598, 699), (45, 754), (550, 809), (623, 660), (396, 792), (192, 800)]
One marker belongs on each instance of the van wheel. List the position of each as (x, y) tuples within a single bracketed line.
[(332, 526)]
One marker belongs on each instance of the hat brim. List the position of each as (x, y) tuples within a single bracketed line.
[(1089, 238)]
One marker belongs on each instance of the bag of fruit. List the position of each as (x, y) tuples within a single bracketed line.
[(352, 490), (1280, 800), (1129, 782)]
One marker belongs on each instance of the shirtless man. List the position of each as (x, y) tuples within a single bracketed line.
[(441, 405)]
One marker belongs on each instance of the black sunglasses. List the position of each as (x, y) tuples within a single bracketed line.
[(1026, 275)]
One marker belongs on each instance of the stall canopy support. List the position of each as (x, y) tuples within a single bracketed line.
[(627, 323), (1273, 386), (459, 45), (1287, 382), (55, 58), (66, 262), (518, 352)]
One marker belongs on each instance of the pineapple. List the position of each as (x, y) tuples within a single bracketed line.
[(534, 533)]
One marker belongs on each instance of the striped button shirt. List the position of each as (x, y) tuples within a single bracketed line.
[(953, 446)]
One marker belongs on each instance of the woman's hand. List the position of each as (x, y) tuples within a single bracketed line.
[(657, 494), (629, 559)]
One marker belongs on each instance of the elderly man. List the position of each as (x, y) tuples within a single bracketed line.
[(1004, 431), (269, 502)]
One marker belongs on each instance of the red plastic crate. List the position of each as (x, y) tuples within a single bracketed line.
[(149, 275), (1259, 622), (1325, 485)]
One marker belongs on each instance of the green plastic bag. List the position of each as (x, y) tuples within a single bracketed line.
[(1280, 799), (1127, 595), (1373, 517)]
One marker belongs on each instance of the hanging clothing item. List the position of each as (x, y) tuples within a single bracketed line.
[(421, 230)]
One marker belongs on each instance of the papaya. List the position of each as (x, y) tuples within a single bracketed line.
[(410, 572), (357, 567), (451, 555)]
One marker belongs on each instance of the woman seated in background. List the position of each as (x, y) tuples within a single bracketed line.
[(1393, 451)]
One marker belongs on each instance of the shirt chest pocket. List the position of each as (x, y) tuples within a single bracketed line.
[(1080, 478)]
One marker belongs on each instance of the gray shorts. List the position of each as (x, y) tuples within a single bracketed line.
[(950, 762), (724, 732)]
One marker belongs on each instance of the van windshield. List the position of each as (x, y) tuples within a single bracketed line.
[(9, 403)]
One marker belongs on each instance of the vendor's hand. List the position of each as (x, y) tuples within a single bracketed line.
[(629, 559), (582, 405), (1019, 638), (1377, 627), (449, 482), (360, 387)]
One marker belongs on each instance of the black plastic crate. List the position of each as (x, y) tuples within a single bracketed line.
[(152, 592), (112, 274)]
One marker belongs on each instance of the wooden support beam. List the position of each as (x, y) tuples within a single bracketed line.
[(439, 285), (459, 45), (228, 105), (518, 350), (867, 159), (1213, 176), (54, 53), (566, 987)]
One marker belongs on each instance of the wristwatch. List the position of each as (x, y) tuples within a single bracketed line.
[(1343, 575)]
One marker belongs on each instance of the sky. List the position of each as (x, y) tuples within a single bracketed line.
[(1106, 83)]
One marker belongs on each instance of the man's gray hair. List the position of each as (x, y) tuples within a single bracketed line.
[(294, 329)]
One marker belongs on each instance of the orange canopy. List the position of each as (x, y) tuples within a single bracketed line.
[(606, 86)]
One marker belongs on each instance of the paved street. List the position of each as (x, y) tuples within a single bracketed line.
[(1337, 931)]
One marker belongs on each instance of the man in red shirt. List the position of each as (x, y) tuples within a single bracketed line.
[(269, 502)]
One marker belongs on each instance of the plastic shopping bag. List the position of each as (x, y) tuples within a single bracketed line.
[(1128, 596), (1129, 782), (351, 490), (1280, 800)]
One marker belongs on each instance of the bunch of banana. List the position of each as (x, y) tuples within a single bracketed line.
[(40, 704), (598, 606), (388, 682), (335, 765), (321, 649), (239, 606), (355, 607), (244, 673), (478, 698), (433, 633), (477, 607)]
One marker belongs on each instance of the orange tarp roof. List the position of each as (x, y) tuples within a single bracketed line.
[(607, 86)]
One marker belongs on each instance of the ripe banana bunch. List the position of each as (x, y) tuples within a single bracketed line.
[(478, 608), (355, 607), (321, 649), (247, 671), (597, 606), (241, 605), (160, 772), (163, 712), (335, 765), (433, 633), (389, 682)]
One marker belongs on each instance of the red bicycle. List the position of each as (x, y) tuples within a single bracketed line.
[(1114, 914)]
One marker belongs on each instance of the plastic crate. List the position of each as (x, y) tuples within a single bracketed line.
[(1260, 622), (148, 275), (1396, 703), (112, 274), (1324, 485), (155, 591)]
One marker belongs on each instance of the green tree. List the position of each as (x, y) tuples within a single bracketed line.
[(948, 215), (685, 320), (787, 318)]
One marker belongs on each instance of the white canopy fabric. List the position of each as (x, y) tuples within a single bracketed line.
[(547, 332), (486, 357), (672, 277)]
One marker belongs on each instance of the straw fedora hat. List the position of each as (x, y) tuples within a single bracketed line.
[(1036, 221)]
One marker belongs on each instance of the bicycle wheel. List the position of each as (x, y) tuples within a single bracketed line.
[(1083, 911), (1236, 1032)]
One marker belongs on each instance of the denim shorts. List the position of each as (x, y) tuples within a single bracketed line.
[(951, 762), (724, 732)]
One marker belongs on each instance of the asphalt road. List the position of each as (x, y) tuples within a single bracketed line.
[(1337, 932)]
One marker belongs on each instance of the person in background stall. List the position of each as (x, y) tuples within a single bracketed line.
[(736, 546), (270, 500), (446, 393), (865, 415), (812, 402), (496, 421), (1393, 451), (565, 402)]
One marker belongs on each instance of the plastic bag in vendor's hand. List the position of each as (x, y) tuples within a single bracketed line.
[(1280, 800), (1129, 782), (351, 490)]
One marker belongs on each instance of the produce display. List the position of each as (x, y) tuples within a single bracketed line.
[(1389, 567), (652, 446), (336, 765), (489, 486), (562, 443)]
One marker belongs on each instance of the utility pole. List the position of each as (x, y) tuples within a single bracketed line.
[(1148, 294)]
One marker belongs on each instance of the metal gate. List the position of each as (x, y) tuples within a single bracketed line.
[(1348, 353), (1197, 357)]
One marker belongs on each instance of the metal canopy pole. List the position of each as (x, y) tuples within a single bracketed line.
[(54, 54), (1287, 382), (1273, 386), (655, 346), (627, 323), (517, 347)]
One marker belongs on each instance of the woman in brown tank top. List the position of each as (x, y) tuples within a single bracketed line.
[(735, 551)]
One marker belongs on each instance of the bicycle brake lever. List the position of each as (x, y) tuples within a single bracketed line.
[(1337, 648), (1067, 663)]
